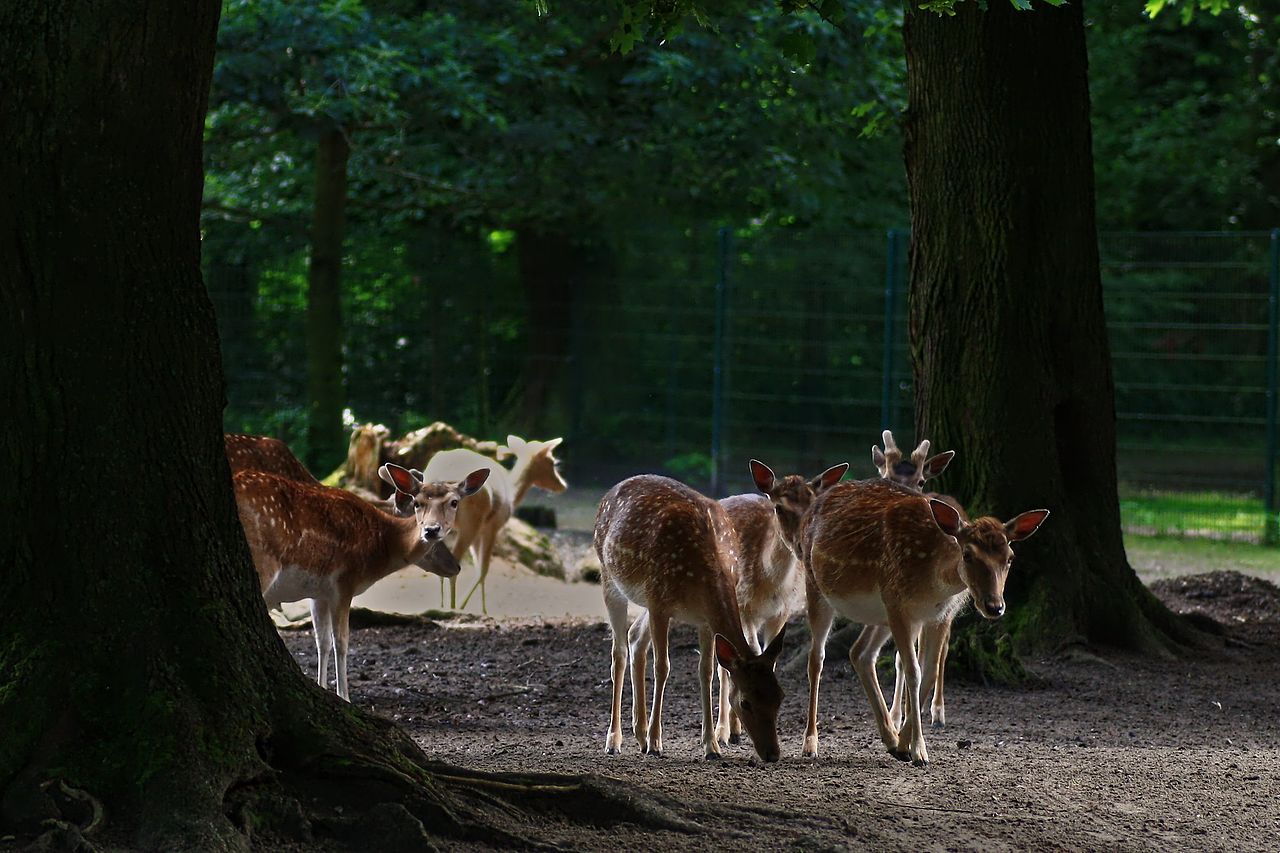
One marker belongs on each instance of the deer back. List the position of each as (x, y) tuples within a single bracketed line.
[(873, 536), (764, 558), (668, 547), (493, 501), (266, 454), (319, 530)]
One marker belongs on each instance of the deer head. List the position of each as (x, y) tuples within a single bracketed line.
[(435, 505), (756, 693), (911, 472), (985, 555), (540, 461), (791, 495)]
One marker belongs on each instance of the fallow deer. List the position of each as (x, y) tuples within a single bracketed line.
[(672, 551), (894, 560), (311, 541), (272, 456), (769, 576), (912, 474), (482, 517)]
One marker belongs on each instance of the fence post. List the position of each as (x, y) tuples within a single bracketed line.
[(717, 371), (890, 325), (1271, 532)]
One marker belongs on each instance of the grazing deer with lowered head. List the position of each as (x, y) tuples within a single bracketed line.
[(672, 551), (912, 474), (325, 544), (769, 576), (482, 517), (894, 560)]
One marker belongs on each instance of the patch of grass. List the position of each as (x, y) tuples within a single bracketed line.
[(1213, 515), (1155, 557)]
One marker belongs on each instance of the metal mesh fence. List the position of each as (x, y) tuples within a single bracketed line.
[(688, 351)]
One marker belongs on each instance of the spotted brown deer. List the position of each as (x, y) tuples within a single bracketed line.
[(483, 517), (769, 575), (272, 456), (328, 545), (912, 474), (672, 551), (894, 560)]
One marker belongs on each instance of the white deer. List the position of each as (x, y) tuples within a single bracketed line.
[(483, 516)]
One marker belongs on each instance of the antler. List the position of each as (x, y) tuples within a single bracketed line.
[(921, 453), (891, 451)]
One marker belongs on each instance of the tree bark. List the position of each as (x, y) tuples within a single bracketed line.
[(325, 397), (1009, 342), (137, 662)]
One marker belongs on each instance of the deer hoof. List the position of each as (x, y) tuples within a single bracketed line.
[(611, 750), (900, 754), (939, 724), (735, 739), (920, 762), (654, 753), (711, 756)]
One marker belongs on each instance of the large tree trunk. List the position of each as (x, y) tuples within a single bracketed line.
[(137, 662), (325, 398), (1009, 344)]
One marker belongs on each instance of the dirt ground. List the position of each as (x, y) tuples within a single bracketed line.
[(1113, 753)]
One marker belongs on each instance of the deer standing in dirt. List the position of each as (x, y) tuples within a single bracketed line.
[(769, 576), (482, 517), (894, 561), (328, 545), (912, 473), (672, 551)]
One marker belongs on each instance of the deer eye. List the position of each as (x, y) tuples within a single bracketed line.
[(968, 556), (453, 503), (745, 705)]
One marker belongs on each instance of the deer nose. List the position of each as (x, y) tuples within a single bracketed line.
[(995, 608), (430, 531), (771, 755)]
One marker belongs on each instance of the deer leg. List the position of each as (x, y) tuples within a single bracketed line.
[(863, 657), (896, 710), (461, 547), (820, 618), (724, 713), (935, 664), (483, 550), (342, 634), (659, 624), (706, 670), (322, 624), (911, 736), (616, 603), (639, 637)]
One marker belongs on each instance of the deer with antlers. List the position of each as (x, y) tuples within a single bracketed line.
[(673, 552), (328, 545), (913, 473), (894, 561)]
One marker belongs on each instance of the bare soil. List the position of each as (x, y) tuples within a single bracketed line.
[(1108, 753)]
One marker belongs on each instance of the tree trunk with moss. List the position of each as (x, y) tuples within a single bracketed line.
[(138, 667), (1009, 342)]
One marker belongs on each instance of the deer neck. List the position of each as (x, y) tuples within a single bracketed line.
[(521, 479)]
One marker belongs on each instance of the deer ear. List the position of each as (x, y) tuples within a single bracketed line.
[(946, 517), (774, 648), (1024, 525), (829, 477), (473, 482), (938, 464), (402, 504), (401, 478), (762, 474), (726, 654)]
